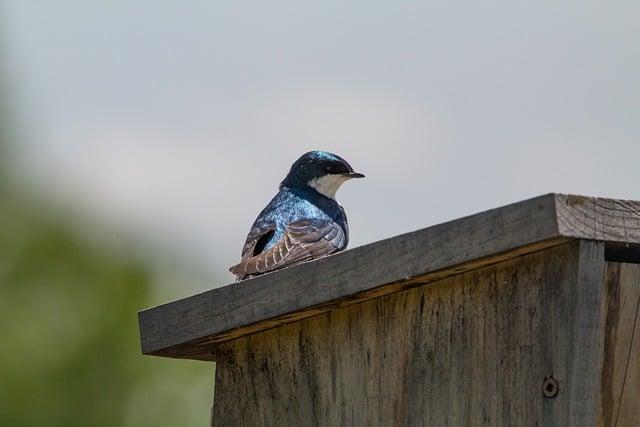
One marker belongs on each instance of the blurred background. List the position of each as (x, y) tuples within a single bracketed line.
[(138, 141)]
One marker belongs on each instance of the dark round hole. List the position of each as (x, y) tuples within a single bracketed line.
[(550, 387)]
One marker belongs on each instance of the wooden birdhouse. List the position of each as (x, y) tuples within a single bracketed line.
[(522, 315)]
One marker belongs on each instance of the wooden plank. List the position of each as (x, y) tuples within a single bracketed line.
[(190, 327), (587, 338), (597, 218), (187, 327), (629, 411), (471, 349), (621, 370)]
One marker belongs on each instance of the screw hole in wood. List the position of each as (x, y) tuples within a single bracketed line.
[(550, 387)]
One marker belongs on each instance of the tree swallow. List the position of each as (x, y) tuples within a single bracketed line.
[(303, 221)]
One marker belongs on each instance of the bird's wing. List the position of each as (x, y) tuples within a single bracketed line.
[(257, 238), (303, 240)]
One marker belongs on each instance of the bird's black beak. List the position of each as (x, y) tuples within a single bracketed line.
[(354, 175)]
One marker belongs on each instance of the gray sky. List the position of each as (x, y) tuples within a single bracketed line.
[(179, 119)]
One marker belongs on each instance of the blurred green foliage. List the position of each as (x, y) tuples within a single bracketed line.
[(70, 352), (68, 325)]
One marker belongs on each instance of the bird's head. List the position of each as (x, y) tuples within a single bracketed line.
[(322, 171)]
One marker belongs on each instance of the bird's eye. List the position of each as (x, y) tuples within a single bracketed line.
[(334, 168), (327, 167)]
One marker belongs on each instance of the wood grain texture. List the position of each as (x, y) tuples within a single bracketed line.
[(587, 338), (596, 218), (191, 327), (471, 349), (188, 327), (621, 370)]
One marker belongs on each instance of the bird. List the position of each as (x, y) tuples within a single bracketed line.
[(303, 221)]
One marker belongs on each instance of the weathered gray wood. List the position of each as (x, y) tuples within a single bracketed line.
[(471, 349), (186, 328), (608, 220), (629, 411), (586, 342), (190, 327), (621, 370)]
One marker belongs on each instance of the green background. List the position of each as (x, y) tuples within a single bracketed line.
[(69, 348)]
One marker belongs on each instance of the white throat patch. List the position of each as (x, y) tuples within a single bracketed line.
[(328, 184)]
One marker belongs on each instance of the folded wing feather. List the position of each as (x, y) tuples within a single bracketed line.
[(303, 240)]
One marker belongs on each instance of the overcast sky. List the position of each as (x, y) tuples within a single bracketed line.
[(179, 119)]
